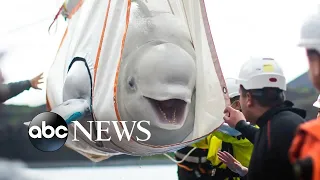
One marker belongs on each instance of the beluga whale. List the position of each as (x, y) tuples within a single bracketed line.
[(156, 80), (130, 61)]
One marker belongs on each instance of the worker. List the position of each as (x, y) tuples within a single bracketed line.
[(305, 148), (203, 163), (8, 91), (10, 169), (261, 86)]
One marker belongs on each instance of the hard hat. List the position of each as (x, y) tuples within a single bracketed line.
[(310, 33), (261, 72), (233, 87), (317, 103)]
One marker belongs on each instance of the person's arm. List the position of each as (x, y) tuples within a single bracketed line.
[(233, 164), (247, 130), (7, 91)]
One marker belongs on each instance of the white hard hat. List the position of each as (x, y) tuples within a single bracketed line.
[(233, 87), (310, 33), (261, 72), (317, 103)]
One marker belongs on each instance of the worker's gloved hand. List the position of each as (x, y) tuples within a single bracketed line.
[(233, 164), (232, 116)]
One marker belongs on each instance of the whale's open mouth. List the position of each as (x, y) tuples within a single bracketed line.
[(169, 112)]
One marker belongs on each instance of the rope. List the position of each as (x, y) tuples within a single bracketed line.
[(55, 18), (183, 159), (170, 6), (26, 26)]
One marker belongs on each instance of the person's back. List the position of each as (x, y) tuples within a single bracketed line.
[(305, 151), (270, 155), (305, 148)]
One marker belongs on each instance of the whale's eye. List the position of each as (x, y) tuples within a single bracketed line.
[(131, 82)]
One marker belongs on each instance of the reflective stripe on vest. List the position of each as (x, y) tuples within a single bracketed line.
[(191, 159)]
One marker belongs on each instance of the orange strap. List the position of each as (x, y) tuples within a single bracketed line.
[(185, 167), (202, 170), (47, 98), (307, 144), (75, 9), (269, 134)]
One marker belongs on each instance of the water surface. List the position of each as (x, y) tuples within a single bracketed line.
[(156, 172)]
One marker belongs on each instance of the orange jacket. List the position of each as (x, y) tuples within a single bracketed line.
[(306, 144)]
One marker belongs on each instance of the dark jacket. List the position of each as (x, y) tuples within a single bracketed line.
[(8, 91), (270, 159)]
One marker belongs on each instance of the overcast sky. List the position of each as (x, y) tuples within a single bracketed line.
[(240, 29)]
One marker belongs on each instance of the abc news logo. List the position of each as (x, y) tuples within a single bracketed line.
[(48, 131)]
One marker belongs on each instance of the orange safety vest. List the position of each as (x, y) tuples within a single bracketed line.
[(306, 144)]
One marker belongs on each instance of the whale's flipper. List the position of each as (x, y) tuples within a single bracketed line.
[(225, 128), (73, 109)]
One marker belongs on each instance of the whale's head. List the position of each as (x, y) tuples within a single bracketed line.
[(158, 73), (157, 84)]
